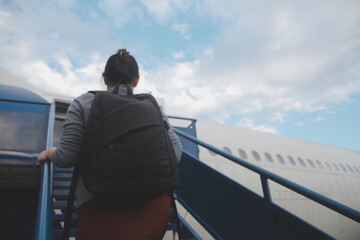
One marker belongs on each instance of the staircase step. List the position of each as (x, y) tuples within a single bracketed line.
[(61, 194), (59, 169), (61, 184), (62, 176), (61, 204)]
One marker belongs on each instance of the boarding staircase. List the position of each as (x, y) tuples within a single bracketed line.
[(223, 207)]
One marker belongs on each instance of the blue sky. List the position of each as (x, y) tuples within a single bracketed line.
[(285, 67)]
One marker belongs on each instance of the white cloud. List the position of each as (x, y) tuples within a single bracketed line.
[(182, 28), (278, 117), (208, 53), (249, 123), (3, 17), (159, 9), (285, 58), (68, 80), (319, 119), (163, 10), (121, 12), (35, 31), (178, 54), (147, 86), (299, 124)]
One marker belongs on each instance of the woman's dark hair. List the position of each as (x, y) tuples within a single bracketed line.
[(121, 68)]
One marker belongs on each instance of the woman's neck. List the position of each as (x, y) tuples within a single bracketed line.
[(120, 85)]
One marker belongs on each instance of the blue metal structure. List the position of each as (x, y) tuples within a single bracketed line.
[(23, 123), (190, 130), (228, 210), (16, 94)]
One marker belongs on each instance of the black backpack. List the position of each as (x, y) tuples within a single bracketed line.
[(127, 154)]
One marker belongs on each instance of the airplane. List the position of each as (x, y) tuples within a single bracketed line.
[(331, 171)]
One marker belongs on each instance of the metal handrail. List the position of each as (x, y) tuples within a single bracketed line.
[(264, 174), (192, 120), (182, 118), (44, 220), (17, 155)]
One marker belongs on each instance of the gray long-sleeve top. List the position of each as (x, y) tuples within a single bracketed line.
[(68, 151)]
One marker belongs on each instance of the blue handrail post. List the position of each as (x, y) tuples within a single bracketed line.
[(267, 197), (191, 146), (44, 221), (265, 188)]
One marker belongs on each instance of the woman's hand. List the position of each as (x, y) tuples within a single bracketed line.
[(46, 154)]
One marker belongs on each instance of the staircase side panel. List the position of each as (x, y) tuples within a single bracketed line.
[(229, 210)]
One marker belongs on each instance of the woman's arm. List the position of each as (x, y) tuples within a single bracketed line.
[(174, 139), (68, 151)]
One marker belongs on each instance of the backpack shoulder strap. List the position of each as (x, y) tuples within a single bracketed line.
[(152, 99)]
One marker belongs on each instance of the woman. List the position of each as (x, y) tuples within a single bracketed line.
[(96, 219)]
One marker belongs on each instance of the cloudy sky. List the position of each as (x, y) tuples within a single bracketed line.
[(285, 67)]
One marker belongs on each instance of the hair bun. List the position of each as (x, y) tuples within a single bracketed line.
[(123, 52)]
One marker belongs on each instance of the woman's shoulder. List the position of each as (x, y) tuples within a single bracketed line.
[(86, 97), (83, 101)]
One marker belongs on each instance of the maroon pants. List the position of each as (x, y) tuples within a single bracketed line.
[(100, 221)]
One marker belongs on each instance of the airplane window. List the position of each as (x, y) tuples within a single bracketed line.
[(291, 160), (242, 153), (342, 167), (356, 169), (301, 161), (212, 153), (268, 157), (281, 159), (328, 165), (256, 156), (227, 150), (349, 167), (336, 167), (319, 164), (311, 163)]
